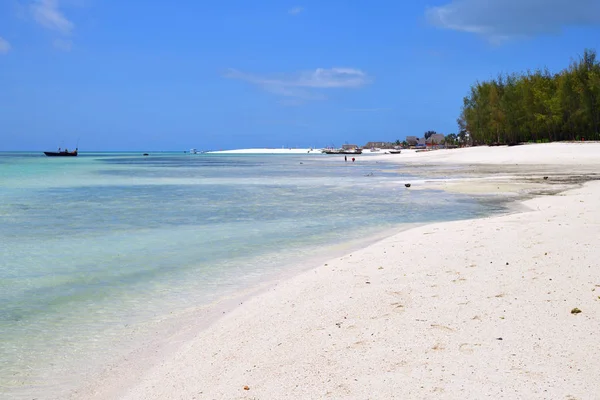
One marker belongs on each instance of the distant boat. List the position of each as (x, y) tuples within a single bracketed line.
[(59, 153), (342, 151)]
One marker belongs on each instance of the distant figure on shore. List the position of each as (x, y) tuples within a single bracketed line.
[(352, 159), (345, 158)]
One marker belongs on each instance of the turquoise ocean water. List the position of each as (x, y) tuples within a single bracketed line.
[(92, 244)]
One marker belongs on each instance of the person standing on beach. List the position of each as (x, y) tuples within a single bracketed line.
[(345, 158)]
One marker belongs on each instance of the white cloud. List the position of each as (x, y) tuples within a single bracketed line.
[(305, 85), (4, 46), (319, 78), (334, 77), (499, 20), (295, 10), (48, 14)]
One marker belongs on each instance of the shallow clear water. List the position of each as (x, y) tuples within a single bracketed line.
[(91, 244)]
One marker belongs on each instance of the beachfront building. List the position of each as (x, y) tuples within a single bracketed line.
[(378, 145), (435, 139), (412, 140), (432, 141)]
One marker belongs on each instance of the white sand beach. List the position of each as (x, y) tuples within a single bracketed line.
[(268, 151), (576, 153), (472, 309)]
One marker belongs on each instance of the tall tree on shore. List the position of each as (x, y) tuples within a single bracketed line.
[(450, 139), (535, 106)]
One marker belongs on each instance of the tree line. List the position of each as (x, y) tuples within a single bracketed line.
[(535, 106)]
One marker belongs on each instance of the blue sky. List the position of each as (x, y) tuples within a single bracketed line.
[(164, 75)]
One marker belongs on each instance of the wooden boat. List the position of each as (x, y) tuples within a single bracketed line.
[(64, 153), (351, 151), (341, 151)]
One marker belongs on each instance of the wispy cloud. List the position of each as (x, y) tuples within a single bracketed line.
[(500, 20), (305, 85), (48, 14), (296, 10), (4, 46), (319, 78)]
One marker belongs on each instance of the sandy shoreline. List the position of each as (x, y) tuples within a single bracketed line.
[(537, 169), (572, 154), (283, 150), (466, 309)]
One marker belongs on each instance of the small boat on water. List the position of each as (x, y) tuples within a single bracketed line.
[(63, 153), (342, 151), (351, 151)]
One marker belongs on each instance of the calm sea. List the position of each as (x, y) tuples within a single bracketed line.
[(92, 244)]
